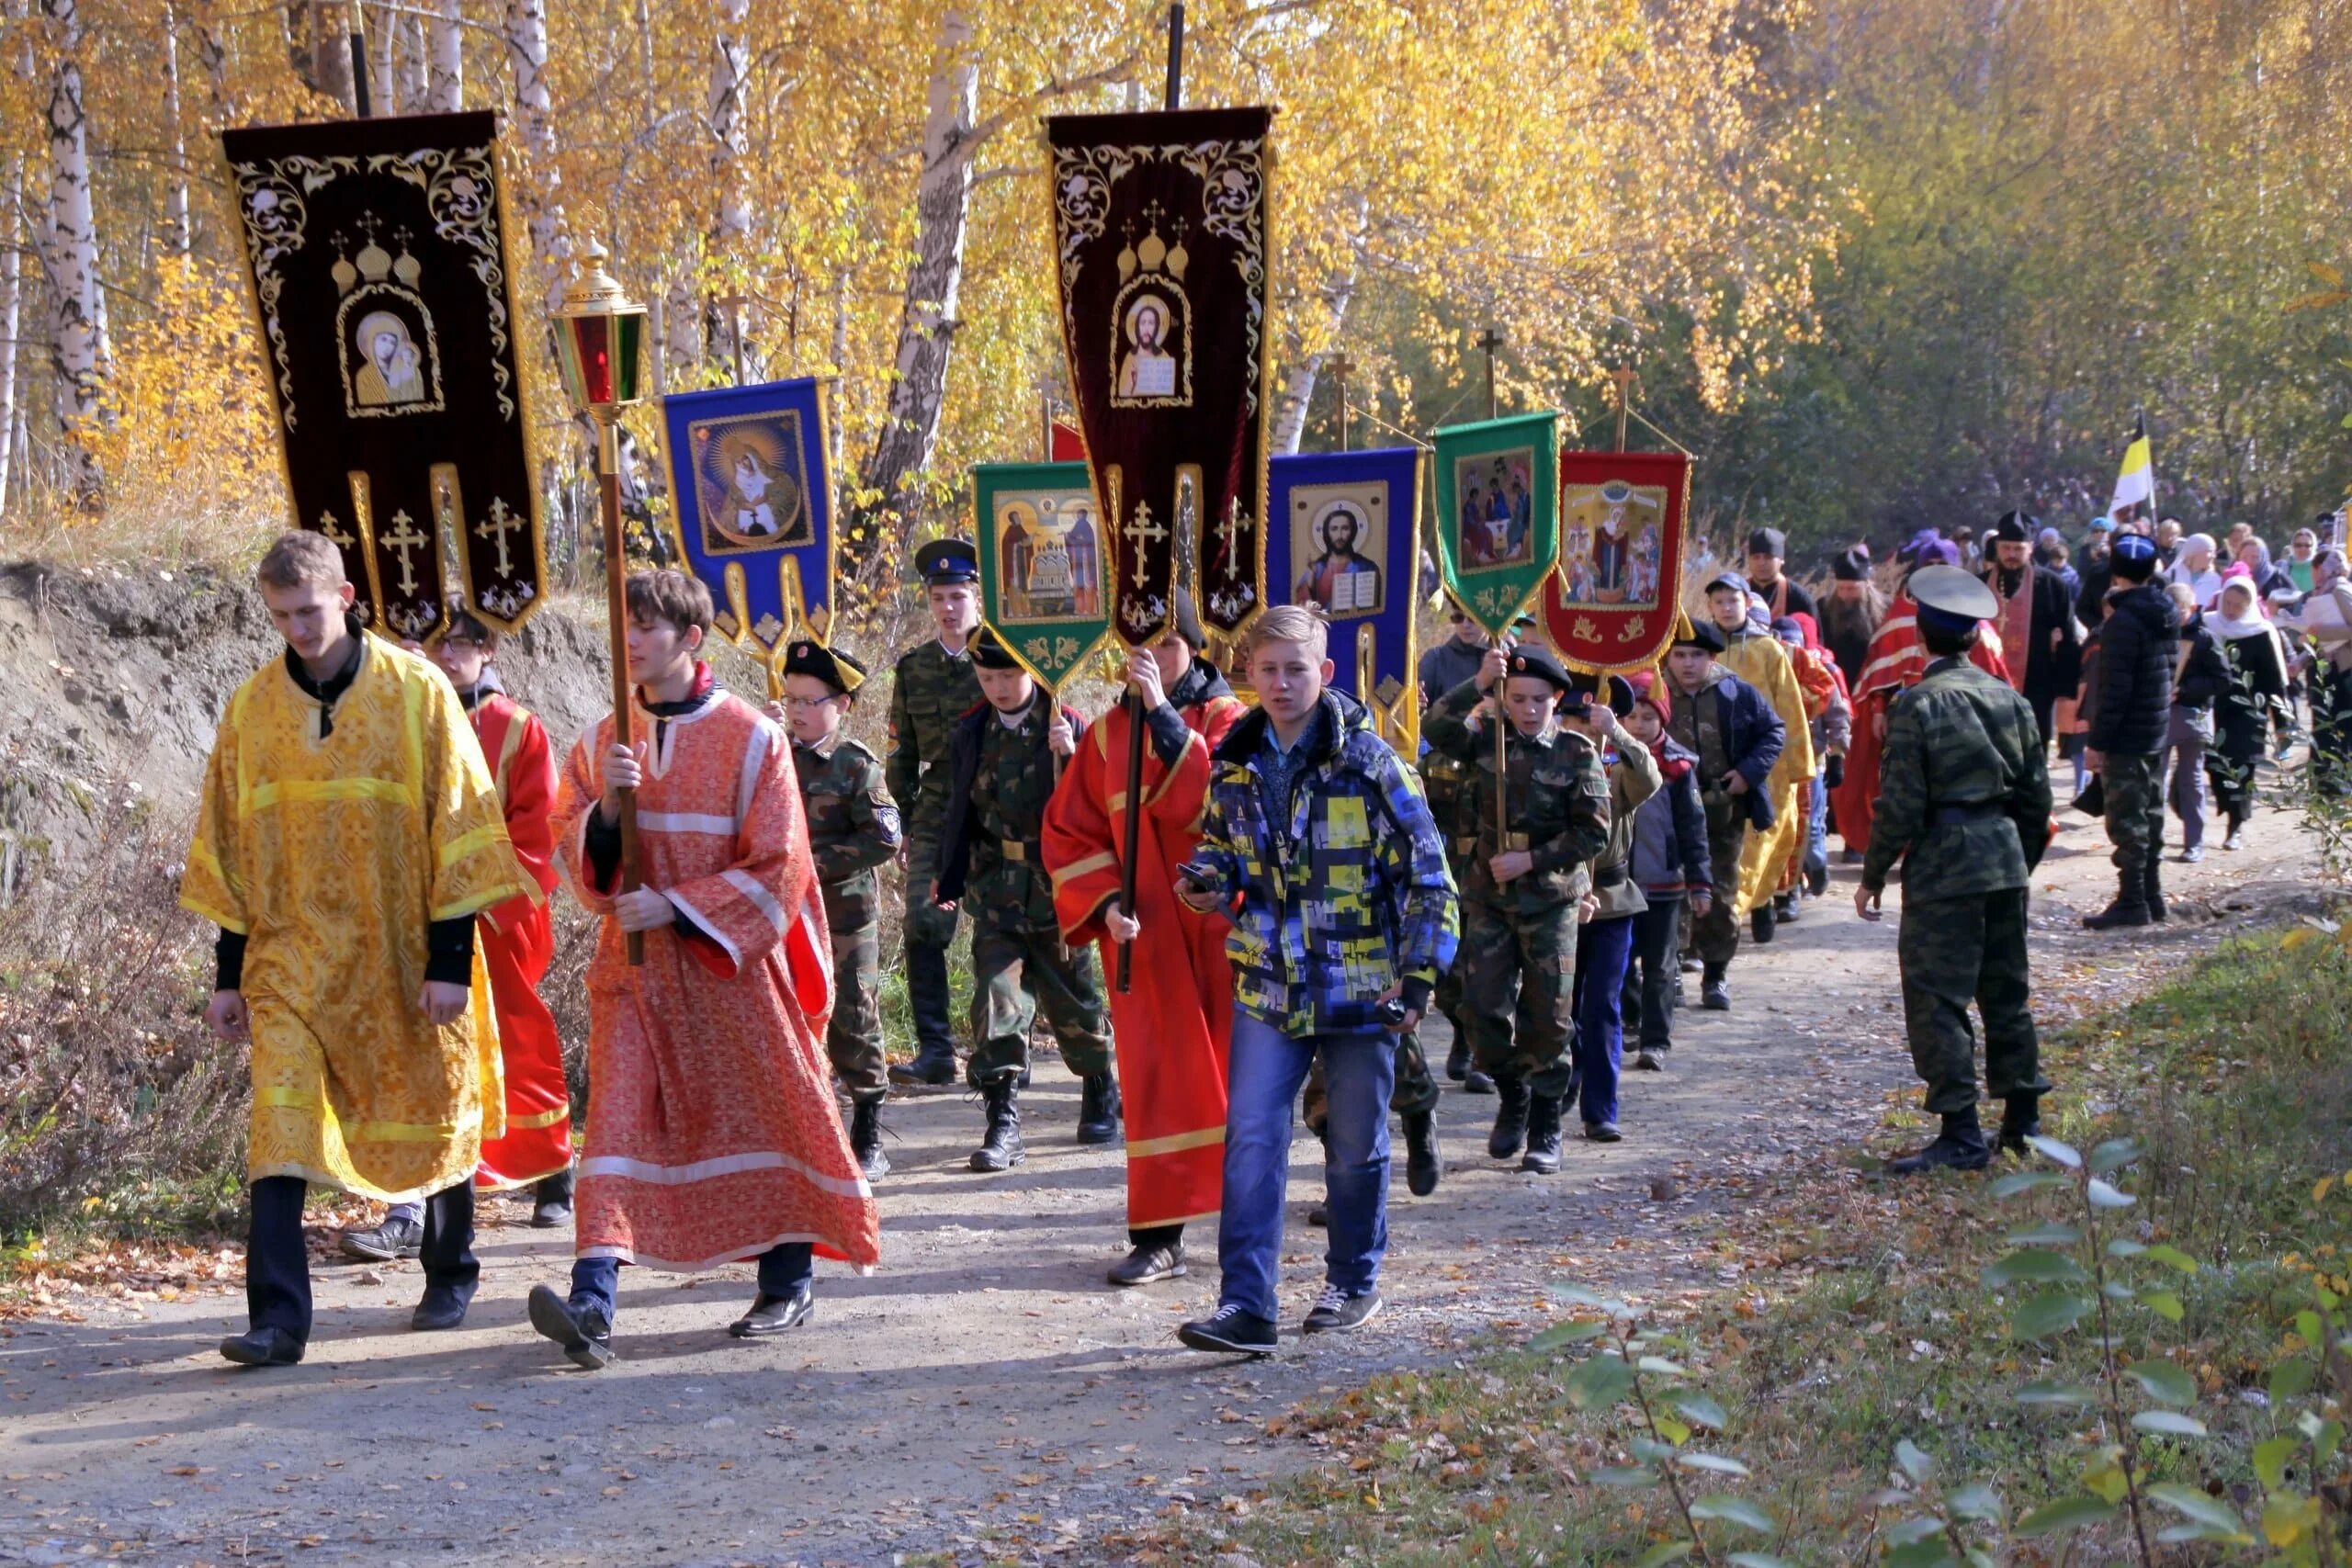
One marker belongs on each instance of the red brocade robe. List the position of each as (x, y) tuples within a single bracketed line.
[(1173, 1030), (516, 944), (712, 1134), (1897, 658)]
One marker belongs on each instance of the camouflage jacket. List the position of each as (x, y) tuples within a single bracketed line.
[(999, 778), (1964, 794), (930, 688), (1344, 896), (852, 827), (1558, 798)]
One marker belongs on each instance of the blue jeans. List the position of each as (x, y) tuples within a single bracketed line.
[(1816, 838), (1261, 1084), (784, 1269), (1604, 949)]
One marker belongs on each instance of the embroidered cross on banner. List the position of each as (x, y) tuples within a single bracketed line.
[(1140, 532), (497, 525), (405, 538)]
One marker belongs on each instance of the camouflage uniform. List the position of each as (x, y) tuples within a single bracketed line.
[(2134, 783), (1018, 956), (1698, 727), (931, 689), (1521, 938), (1964, 803), (852, 829)]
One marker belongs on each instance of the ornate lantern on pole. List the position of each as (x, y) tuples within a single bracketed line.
[(599, 343)]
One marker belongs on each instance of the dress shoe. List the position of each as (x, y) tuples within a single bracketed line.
[(262, 1348), (584, 1332), (1421, 1163), (1149, 1264), (442, 1308), (934, 1064), (1000, 1147), (1959, 1146), (774, 1315), (398, 1236), (1098, 1109), (1511, 1118)]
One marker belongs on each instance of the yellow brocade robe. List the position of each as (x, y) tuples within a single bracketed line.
[(331, 856), (1764, 858)]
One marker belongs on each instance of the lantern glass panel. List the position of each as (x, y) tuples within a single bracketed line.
[(628, 356), (591, 342)]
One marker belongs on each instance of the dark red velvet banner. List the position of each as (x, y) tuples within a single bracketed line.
[(1160, 242)]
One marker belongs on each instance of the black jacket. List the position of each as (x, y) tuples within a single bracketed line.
[(2206, 675), (2137, 645)]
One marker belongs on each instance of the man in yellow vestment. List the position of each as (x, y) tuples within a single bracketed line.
[(349, 834), (1754, 655)]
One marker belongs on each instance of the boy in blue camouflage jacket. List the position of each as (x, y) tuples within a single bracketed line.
[(1318, 842)]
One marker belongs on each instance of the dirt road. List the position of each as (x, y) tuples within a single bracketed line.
[(984, 1397)]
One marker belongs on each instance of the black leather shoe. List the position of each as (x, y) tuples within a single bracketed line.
[(1149, 1264), (1098, 1109), (1001, 1148), (865, 1139), (397, 1237), (585, 1334), (262, 1348), (1422, 1166), (934, 1064), (2020, 1120), (1542, 1155), (1511, 1118), (1603, 1133), (442, 1308), (551, 1202), (1959, 1146), (774, 1315)]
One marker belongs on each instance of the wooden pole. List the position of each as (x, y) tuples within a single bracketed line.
[(1491, 339), (608, 480), (1626, 381), (1131, 835), (1340, 368)]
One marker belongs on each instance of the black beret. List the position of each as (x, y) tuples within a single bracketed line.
[(2014, 527), (989, 651), (835, 669), (947, 560), (1768, 542), (1534, 660), (1585, 688), (1700, 635), (1847, 567)]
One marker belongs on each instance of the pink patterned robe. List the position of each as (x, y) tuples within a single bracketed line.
[(712, 1133)]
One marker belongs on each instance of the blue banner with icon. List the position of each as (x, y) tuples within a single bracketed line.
[(751, 506), (1344, 537)]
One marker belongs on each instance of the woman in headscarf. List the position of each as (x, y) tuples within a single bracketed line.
[(2257, 662), (2325, 618), (2267, 579)]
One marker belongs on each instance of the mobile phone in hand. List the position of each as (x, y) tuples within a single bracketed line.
[(1200, 874)]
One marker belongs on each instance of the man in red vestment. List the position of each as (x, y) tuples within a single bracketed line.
[(1897, 658), (1171, 1030)]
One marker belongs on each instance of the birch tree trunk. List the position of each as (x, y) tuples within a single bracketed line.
[(445, 89), (178, 237), (413, 53), (318, 45), (1299, 382), (731, 80), (76, 330), (910, 431), (542, 194), (12, 294), (211, 57)]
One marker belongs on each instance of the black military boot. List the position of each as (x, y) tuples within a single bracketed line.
[(1542, 1136), (1457, 1060), (2130, 906), (2020, 1120), (1421, 1164), (1098, 1109), (1762, 925), (2152, 885), (934, 1060), (865, 1139), (1000, 1150), (1510, 1117), (1714, 989), (1959, 1146)]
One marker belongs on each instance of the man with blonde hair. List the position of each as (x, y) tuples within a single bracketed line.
[(1317, 844)]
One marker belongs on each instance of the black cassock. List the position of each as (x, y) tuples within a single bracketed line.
[(2051, 673)]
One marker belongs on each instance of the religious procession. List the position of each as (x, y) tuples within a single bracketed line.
[(1434, 735)]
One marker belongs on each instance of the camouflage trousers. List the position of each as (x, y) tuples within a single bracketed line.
[(928, 932), (1014, 972), (1715, 936), (1955, 951), (1415, 1091), (1519, 991), (854, 1040), (2134, 786)]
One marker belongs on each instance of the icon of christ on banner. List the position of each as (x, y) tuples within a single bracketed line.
[(1337, 531), (1610, 544)]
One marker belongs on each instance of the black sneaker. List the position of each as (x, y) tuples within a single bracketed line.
[(585, 1334), (1335, 1309), (262, 1348), (398, 1236), (1230, 1329)]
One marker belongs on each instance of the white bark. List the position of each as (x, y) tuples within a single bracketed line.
[(1298, 381), (730, 77), (534, 117), (413, 53), (177, 236), (12, 294), (211, 57), (445, 89), (385, 95), (910, 431), (77, 324)]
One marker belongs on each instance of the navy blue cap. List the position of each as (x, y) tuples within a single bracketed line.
[(947, 560), (2133, 557)]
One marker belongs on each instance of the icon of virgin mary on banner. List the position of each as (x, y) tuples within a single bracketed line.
[(753, 506), (1611, 604), (1346, 542)]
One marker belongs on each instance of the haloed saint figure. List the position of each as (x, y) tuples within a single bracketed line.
[(390, 369), (1341, 580)]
